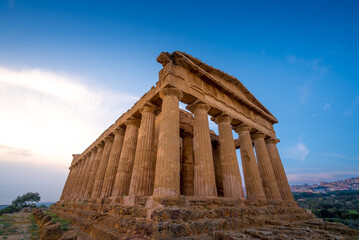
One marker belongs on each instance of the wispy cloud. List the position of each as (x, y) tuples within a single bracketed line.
[(304, 91), (300, 178), (327, 106), (47, 116), (297, 151), (341, 156), (315, 69), (15, 151)]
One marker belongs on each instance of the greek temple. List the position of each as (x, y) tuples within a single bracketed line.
[(157, 149)]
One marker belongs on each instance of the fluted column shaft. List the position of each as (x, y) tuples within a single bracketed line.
[(113, 161), (83, 176), (278, 169), (167, 174), (265, 168), (204, 176), (232, 182), (91, 183), (91, 161), (73, 181), (79, 178), (187, 170), (100, 175), (125, 166), (67, 183), (96, 155), (216, 151), (144, 164), (252, 179)]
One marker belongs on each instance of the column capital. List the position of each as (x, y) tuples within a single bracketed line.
[(93, 150), (148, 107), (133, 121), (198, 105), (272, 140), (258, 135), (81, 159), (100, 144), (241, 127), (75, 157), (88, 154), (108, 138), (118, 130), (171, 91), (222, 118)]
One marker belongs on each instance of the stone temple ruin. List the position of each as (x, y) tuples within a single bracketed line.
[(160, 172)]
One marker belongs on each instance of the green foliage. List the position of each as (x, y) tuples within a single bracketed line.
[(43, 206), (34, 228), (64, 224), (7, 226), (338, 206), (10, 209), (26, 200)]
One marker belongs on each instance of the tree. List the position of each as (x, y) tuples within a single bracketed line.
[(26, 199)]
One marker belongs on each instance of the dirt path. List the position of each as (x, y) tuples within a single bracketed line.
[(18, 226)]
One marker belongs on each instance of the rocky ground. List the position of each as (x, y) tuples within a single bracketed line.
[(18, 226), (198, 218), (22, 225)]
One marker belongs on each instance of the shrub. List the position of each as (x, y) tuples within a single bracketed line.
[(10, 209)]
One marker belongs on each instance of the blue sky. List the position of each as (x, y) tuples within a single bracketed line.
[(68, 69)]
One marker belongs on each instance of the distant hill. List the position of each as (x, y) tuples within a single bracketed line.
[(47, 204), (351, 184), (3, 206)]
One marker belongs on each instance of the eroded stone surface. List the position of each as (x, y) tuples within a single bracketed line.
[(199, 218)]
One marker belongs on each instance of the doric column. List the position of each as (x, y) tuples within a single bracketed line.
[(72, 182), (187, 170), (265, 168), (167, 176), (91, 173), (112, 165), (100, 175), (252, 179), (204, 176), (232, 182), (77, 192), (278, 169), (216, 151), (96, 164), (83, 176), (67, 183), (90, 159), (125, 166), (144, 164)]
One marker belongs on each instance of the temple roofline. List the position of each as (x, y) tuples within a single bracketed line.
[(198, 67)]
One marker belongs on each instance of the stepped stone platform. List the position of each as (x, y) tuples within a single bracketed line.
[(197, 218)]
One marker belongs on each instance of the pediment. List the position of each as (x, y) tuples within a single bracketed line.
[(227, 83)]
